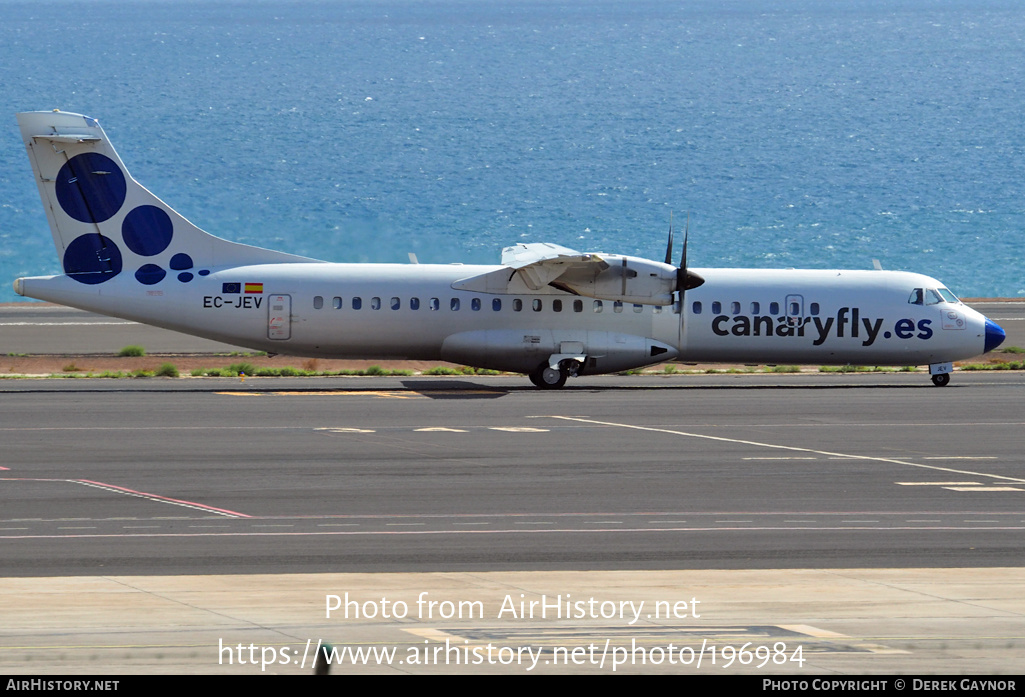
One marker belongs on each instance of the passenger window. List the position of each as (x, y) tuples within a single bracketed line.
[(453, 304), (435, 304), (716, 308), (395, 303), (773, 308), (536, 304), (414, 303), (336, 303), (735, 308), (755, 308), (617, 306), (578, 306), (357, 303), (496, 304), (656, 310), (375, 303), (557, 305), (638, 308), (696, 307), (318, 302), (475, 304), (598, 306), (795, 309), (814, 307), (517, 305), (916, 297)]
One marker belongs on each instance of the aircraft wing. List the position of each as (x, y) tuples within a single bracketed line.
[(539, 263), (522, 255), (548, 268)]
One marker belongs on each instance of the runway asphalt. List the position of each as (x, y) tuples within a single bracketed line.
[(419, 474), (816, 504)]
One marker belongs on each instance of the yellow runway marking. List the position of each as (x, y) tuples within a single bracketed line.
[(388, 394), (330, 393)]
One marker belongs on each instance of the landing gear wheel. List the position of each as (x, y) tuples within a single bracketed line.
[(548, 378), (941, 379)]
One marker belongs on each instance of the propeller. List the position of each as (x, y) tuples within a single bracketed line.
[(685, 280)]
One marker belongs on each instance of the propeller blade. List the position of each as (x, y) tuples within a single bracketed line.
[(684, 279), (683, 255), (669, 246)]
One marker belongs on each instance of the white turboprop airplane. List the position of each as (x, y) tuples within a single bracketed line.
[(546, 311)]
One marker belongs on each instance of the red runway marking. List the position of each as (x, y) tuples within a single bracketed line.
[(157, 497), (131, 492)]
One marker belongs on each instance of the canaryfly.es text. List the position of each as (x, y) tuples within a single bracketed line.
[(848, 323)]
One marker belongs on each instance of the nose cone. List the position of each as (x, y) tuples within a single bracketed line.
[(994, 335)]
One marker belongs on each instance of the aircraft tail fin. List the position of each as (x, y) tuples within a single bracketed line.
[(104, 222)]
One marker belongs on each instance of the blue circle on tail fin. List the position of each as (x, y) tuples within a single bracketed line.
[(90, 187), (180, 262), (92, 258), (149, 274), (147, 230)]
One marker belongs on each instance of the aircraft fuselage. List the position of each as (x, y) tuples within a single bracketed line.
[(412, 311)]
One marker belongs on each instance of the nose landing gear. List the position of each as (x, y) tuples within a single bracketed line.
[(941, 373)]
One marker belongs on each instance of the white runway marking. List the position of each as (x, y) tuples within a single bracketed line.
[(793, 448), (518, 429), (804, 527)]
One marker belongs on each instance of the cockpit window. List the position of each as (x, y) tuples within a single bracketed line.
[(947, 295), (916, 297), (932, 297)]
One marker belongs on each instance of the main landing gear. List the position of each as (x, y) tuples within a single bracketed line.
[(548, 378), (941, 379)]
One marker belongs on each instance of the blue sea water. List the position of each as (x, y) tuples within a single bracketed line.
[(801, 133)]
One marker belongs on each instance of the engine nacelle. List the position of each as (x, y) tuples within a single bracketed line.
[(627, 279)]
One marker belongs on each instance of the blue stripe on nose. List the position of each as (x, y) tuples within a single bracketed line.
[(994, 335)]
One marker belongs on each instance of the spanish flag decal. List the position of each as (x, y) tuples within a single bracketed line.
[(254, 287)]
